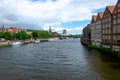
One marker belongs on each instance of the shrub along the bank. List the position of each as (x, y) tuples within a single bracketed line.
[(105, 50)]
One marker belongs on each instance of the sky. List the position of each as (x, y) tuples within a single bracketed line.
[(72, 15)]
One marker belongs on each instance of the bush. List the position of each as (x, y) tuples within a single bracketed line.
[(105, 50)]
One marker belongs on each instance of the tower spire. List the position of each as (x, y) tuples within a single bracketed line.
[(50, 30)]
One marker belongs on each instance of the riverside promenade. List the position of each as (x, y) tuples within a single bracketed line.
[(5, 43)]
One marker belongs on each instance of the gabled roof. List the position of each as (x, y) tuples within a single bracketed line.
[(101, 14), (116, 5), (94, 17), (111, 8)]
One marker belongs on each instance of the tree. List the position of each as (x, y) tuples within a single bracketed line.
[(40, 34), (1, 34), (8, 35), (29, 36), (35, 33), (22, 35)]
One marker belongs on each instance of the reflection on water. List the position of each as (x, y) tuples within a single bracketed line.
[(59, 60)]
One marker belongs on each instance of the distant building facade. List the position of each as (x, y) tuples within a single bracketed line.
[(13, 30), (29, 31), (2, 29), (64, 32), (105, 28), (86, 37)]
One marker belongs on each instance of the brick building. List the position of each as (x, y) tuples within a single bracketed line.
[(98, 29), (105, 27), (86, 37), (13, 30), (116, 27), (93, 28), (107, 21)]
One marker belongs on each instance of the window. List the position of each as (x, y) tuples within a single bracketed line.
[(118, 28), (118, 15), (114, 29), (119, 20), (106, 19), (109, 19), (118, 10), (114, 37), (110, 25), (108, 36), (118, 37), (115, 12), (114, 16), (106, 25), (103, 37), (103, 31), (109, 31), (114, 22), (118, 5), (106, 31)]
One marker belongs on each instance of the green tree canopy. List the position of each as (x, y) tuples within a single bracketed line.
[(22, 35), (40, 34), (8, 35), (1, 34)]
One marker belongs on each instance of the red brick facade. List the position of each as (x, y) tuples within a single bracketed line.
[(13, 30), (105, 28)]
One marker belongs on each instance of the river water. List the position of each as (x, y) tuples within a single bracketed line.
[(57, 60)]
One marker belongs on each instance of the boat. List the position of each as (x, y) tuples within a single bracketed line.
[(15, 43), (53, 39)]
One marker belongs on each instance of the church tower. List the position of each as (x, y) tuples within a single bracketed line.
[(50, 30)]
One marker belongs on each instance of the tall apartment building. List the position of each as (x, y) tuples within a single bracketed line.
[(93, 28), (107, 21), (116, 27)]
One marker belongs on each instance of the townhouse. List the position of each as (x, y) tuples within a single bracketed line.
[(98, 30), (107, 26), (116, 27), (86, 37), (93, 28)]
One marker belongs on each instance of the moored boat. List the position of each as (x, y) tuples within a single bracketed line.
[(53, 39), (15, 43)]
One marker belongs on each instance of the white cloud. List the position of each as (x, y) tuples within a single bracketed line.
[(49, 12)]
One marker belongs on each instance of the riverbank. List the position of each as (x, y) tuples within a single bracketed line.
[(6, 43), (105, 50)]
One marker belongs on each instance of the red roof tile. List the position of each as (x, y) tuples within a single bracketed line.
[(111, 8), (94, 18), (101, 14)]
